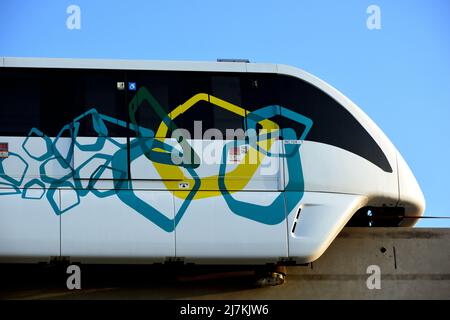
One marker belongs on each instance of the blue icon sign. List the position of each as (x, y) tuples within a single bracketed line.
[(132, 86)]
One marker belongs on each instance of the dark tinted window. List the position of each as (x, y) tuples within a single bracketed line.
[(227, 88), (259, 91), (48, 99), (149, 101), (33, 98), (186, 86), (197, 92), (98, 89), (332, 123), (19, 102)]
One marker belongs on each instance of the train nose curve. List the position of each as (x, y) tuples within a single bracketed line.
[(410, 194)]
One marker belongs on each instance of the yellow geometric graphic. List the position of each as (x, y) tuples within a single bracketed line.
[(236, 179)]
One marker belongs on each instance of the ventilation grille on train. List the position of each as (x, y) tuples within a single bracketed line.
[(296, 219)]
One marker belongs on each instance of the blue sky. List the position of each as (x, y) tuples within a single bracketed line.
[(399, 75)]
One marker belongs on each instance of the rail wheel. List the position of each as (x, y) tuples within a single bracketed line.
[(274, 277)]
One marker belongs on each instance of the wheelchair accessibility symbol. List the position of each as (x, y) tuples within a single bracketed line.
[(132, 86)]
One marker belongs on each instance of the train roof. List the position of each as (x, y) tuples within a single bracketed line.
[(121, 64)]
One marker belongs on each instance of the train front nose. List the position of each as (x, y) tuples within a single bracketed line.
[(410, 195)]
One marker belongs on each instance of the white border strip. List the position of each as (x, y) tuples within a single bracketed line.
[(124, 64)]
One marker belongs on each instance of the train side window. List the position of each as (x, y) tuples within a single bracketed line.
[(99, 90), (259, 91), (148, 101), (200, 101), (227, 88), (35, 98), (19, 101), (332, 123), (189, 104), (49, 99)]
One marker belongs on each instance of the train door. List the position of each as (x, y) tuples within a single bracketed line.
[(29, 228), (109, 216), (233, 206)]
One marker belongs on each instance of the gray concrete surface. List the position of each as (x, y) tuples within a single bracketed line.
[(414, 264)]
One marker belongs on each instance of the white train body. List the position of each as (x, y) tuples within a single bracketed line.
[(87, 166)]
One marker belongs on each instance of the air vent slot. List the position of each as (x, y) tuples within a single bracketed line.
[(233, 60), (298, 213), (297, 216), (293, 228)]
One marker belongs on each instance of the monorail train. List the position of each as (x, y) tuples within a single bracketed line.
[(116, 161)]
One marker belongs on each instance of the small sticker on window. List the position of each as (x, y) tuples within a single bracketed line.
[(234, 154), (120, 85), (293, 141), (4, 152)]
